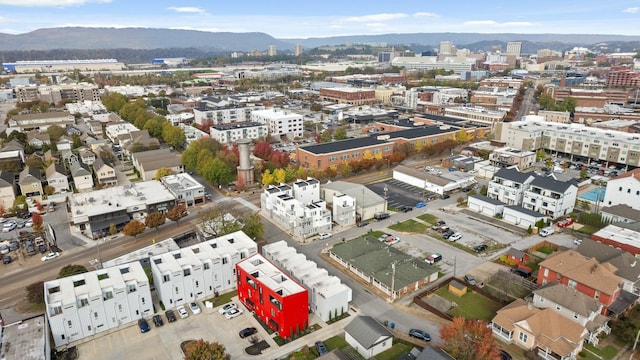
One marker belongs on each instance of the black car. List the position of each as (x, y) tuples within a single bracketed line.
[(157, 320), (480, 248), (448, 234), (445, 196), (363, 223), (504, 355), (521, 272), (438, 224), (322, 349), (381, 216), (6, 259), (419, 334), (171, 316), (406, 208), (143, 325), (246, 332)]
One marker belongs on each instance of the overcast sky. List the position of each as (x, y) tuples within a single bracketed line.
[(303, 19)]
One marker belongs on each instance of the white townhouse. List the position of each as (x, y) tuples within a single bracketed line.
[(550, 197), (185, 188), (225, 114), (280, 122), (81, 306), (624, 190), (200, 271), (508, 186), (328, 296), (298, 208), (230, 133)]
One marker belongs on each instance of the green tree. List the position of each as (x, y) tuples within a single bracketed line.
[(154, 220), (217, 172), (56, 132), (162, 172), (540, 154), (549, 163), (340, 134), (174, 136), (584, 175), (133, 228), (253, 225), (325, 137), (154, 126), (114, 101), (219, 221), (35, 292), (539, 224), (204, 350), (547, 102), (627, 327), (484, 190), (113, 229), (70, 270)]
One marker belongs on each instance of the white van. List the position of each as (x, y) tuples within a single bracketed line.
[(546, 232)]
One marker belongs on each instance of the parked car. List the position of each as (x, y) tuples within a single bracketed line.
[(227, 307), (195, 308), (182, 312), (504, 355), (566, 222), (521, 272), (50, 256), (157, 320), (6, 259), (4, 249), (384, 237), (9, 226), (21, 224), (392, 240), (381, 216), (246, 332), (363, 223), (470, 279), (322, 349), (546, 232), (233, 313), (577, 242), (419, 334), (438, 224), (143, 325), (171, 316), (455, 237), (420, 205), (480, 248), (323, 236), (445, 196), (448, 234), (406, 208), (433, 258), (443, 229), (14, 245)]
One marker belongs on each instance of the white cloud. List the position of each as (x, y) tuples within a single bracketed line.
[(425, 14), (632, 10), (186, 9), (49, 3), (375, 17), (480, 22)]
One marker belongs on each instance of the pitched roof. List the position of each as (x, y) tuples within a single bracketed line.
[(512, 174), (487, 199), (55, 168), (548, 182), (569, 298), (597, 250), (29, 175), (79, 169), (622, 210), (367, 331), (588, 272), (343, 145), (515, 253), (100, 162), (13, 145), (6, 179), (635, 173)]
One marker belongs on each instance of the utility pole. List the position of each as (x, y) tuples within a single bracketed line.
[(633, 351), (393, 280)]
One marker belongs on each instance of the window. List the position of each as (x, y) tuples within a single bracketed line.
[(142, 299), (575, 316), (166, 278), (56, 310), (523, 337), (187, 272), (596, 295), (83, 302), (546, 272), (558, 307), (107, 295), (131, 288)]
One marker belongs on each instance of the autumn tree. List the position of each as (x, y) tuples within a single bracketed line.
[(469, 340), (162, 172), (219, 221), (70, 270), (279, 176), (325, 136), (113, 229), (204, 350), (133, 228), (267, 178), (49, 190), (177, 212), (35, 292), (154, 220), (173, 135), (56, 132), (39, 206), (36, 219), (263, 150), (240, 184)]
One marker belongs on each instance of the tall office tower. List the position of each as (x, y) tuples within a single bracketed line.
[(446, 48), (514, 48), (297, 51), (272, 50)]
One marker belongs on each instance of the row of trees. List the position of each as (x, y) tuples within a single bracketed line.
[(136, 113), (153, 220), (211, 160)]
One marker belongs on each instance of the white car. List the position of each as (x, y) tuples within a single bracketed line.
[(223, 310), (182, 312), (322, 236), (455, 237), (29, 223), (195, 308), (233, 313), (546, 232), (50, 256)]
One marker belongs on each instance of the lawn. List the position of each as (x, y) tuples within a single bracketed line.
[(545, 250), (410, 226), (223, 298), (499, 285), (608, 352), (336, 342), (428, 218), (394, 352), (588, 229), (471, 306)]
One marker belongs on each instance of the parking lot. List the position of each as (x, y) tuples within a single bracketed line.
[(400, 194)]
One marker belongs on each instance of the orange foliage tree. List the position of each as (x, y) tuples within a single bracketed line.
[(469, 340)]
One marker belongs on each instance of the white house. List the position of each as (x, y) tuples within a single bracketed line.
[(344, 209), (508, 186), (485, 205), (550, 197), (225, 114), (624, 190), (82, 178), (367, 336), (114, 131), (200, 271), (56, 176), (230, 133), (280, 122), (81, 306), (520, 216), (185, 188), (328, 297), (368, 203)]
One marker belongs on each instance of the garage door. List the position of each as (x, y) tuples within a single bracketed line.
[(511, 218), (526, 223), (474, 206), (488, 210)]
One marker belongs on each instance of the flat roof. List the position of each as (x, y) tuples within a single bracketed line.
[(25, 339), (242, 125), (343, 145), (270, 275), (422, 131)]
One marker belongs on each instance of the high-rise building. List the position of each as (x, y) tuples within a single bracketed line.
[(446, 48), (272, 50), (297, 51), (514, 48)]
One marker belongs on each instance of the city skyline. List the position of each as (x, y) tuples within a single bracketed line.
[(287, 19)]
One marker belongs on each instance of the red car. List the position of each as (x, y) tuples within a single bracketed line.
[(565, 222)]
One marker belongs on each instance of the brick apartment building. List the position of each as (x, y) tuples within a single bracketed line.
[(622, 77), (595, 98), (347, 95)]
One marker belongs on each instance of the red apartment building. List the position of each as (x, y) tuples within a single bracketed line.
[(594, 98), (278, 300), (623, 77), (347, 95), (587, 276)]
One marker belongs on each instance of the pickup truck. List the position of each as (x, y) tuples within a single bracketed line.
[(381, 216)]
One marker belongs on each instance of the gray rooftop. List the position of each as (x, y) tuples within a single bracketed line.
[(25, 340), (356, 191), (622, 210), (549, 183), (487, 199), (522, 210), (343, 145), (367, 331), (512, 174), (569, 298)]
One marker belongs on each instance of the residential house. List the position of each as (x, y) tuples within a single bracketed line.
[(587, 276), (275, 298), (574, 306), (438, 183), (12, 155), (549, 334), (138, 140), (86, 156), (73, 130), (56, 176), (64, 143), (95, 127), (81, 176), (30, 183), (550, 197), (517, 257), (620, 214), (37, 139), (367, 336), (508, 186), (185, 188), (624, 189), (149, 162), (105, 172), (7, 189)]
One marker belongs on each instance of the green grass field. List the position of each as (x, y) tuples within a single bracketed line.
[(410, 226), (471, 306), (394, 353), (431, 219)]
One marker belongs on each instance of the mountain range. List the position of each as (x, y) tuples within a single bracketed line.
[(149, 38)]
